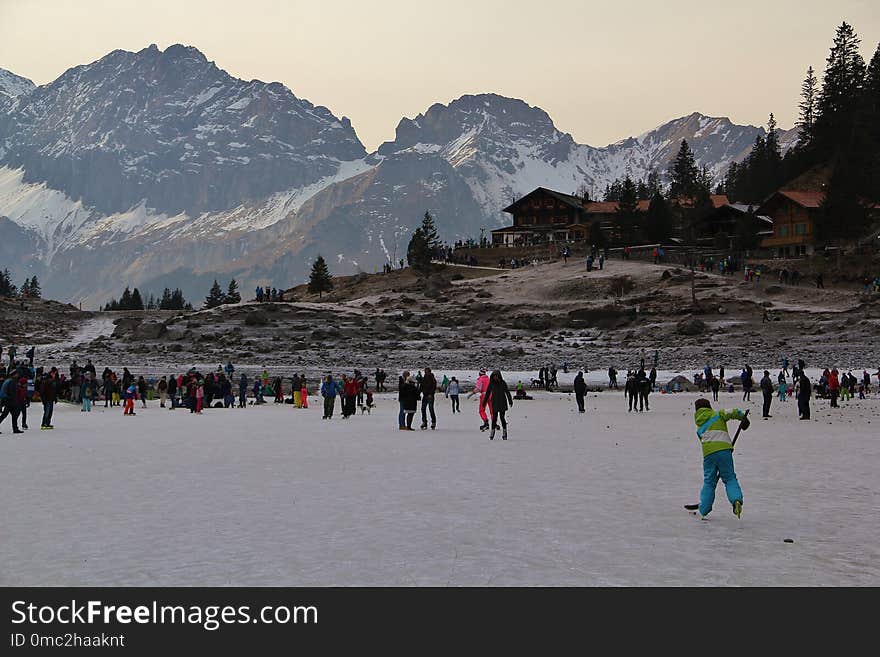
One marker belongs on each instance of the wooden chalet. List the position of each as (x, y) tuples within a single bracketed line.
[(541, 216), (726, 223), (544, 215), (794, 216)]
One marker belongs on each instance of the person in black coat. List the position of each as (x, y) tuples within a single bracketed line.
[(803, 396), (408, 396), (767, 389), (580, 390), (499, 400)]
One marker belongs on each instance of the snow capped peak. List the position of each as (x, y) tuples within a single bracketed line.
[(174, 129), (13, 85)]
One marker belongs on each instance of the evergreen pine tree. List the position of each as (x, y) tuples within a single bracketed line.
[(178, 302), (773, 159), (137, 303), (807, 109), (841, 215), (151, 302), (731, 182), (125, 300), (319, 279), (653, 183), (868, 131), (841, 87), (684, 173), (628, 211), (7, 288), (26, 288), (215, 296), (232, 294), (423, 246), (165, 301), (658, 222), (36, 292)]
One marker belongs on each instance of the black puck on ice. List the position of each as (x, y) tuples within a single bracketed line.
[(789, 540)]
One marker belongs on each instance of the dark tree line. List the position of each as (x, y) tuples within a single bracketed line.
[(29, 289), (216, 296), (132, 300), (838, 140)]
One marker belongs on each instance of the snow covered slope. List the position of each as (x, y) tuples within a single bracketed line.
[(143, 165), (12, 85)]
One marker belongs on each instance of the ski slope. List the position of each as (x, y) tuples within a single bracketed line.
[(273, 495)]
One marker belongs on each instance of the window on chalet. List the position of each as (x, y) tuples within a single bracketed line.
[(800, 229), (783, 231)]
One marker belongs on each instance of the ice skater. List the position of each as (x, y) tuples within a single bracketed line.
[(452, 392), (480, 389), (499, 400), (717, 454)]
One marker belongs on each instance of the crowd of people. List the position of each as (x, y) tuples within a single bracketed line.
[(21, 383), (268, 295)]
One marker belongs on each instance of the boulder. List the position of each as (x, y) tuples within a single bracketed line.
[(256, 318), (125, 326), (690, 326), (150, 330), (605, 317)]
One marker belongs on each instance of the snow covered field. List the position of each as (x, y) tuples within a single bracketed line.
[(276, 496)]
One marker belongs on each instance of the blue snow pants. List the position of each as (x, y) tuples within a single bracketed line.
[(718, 464)]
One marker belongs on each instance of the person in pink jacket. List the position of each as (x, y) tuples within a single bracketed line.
[(480, 388)]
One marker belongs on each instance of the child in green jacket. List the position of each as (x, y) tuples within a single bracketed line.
[(717, 454)]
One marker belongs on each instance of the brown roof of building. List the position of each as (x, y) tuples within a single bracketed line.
[(610, 207), (804, 199), (568, 199)]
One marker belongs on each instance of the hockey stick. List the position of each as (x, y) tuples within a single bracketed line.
[(694, 507)]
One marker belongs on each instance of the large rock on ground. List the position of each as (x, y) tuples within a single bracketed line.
[(150, 330), (690, 326)]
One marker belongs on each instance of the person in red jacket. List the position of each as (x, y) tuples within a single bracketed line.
[(350, 391), (834, 386)]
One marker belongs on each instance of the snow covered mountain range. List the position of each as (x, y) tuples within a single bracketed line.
[(157, 168)]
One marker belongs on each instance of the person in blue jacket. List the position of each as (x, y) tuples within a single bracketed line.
[(328, 392)]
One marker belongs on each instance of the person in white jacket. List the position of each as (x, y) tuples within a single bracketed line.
[(452, 392)]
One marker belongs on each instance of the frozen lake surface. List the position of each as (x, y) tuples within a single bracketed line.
[(273, 495)]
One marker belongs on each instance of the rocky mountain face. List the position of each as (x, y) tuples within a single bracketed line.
[(12, 85), (170, 130), (158, 168)]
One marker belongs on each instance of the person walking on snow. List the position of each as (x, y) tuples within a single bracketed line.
[(580, 390), (130, 396), (804, 392), (834, 386), (328, 392), (717, 454), (767, 390), (428, 390), (782, 385), (499, 400), (452, 391), (480, 389)]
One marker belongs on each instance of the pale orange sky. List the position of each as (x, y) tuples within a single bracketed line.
[(602, 70)]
